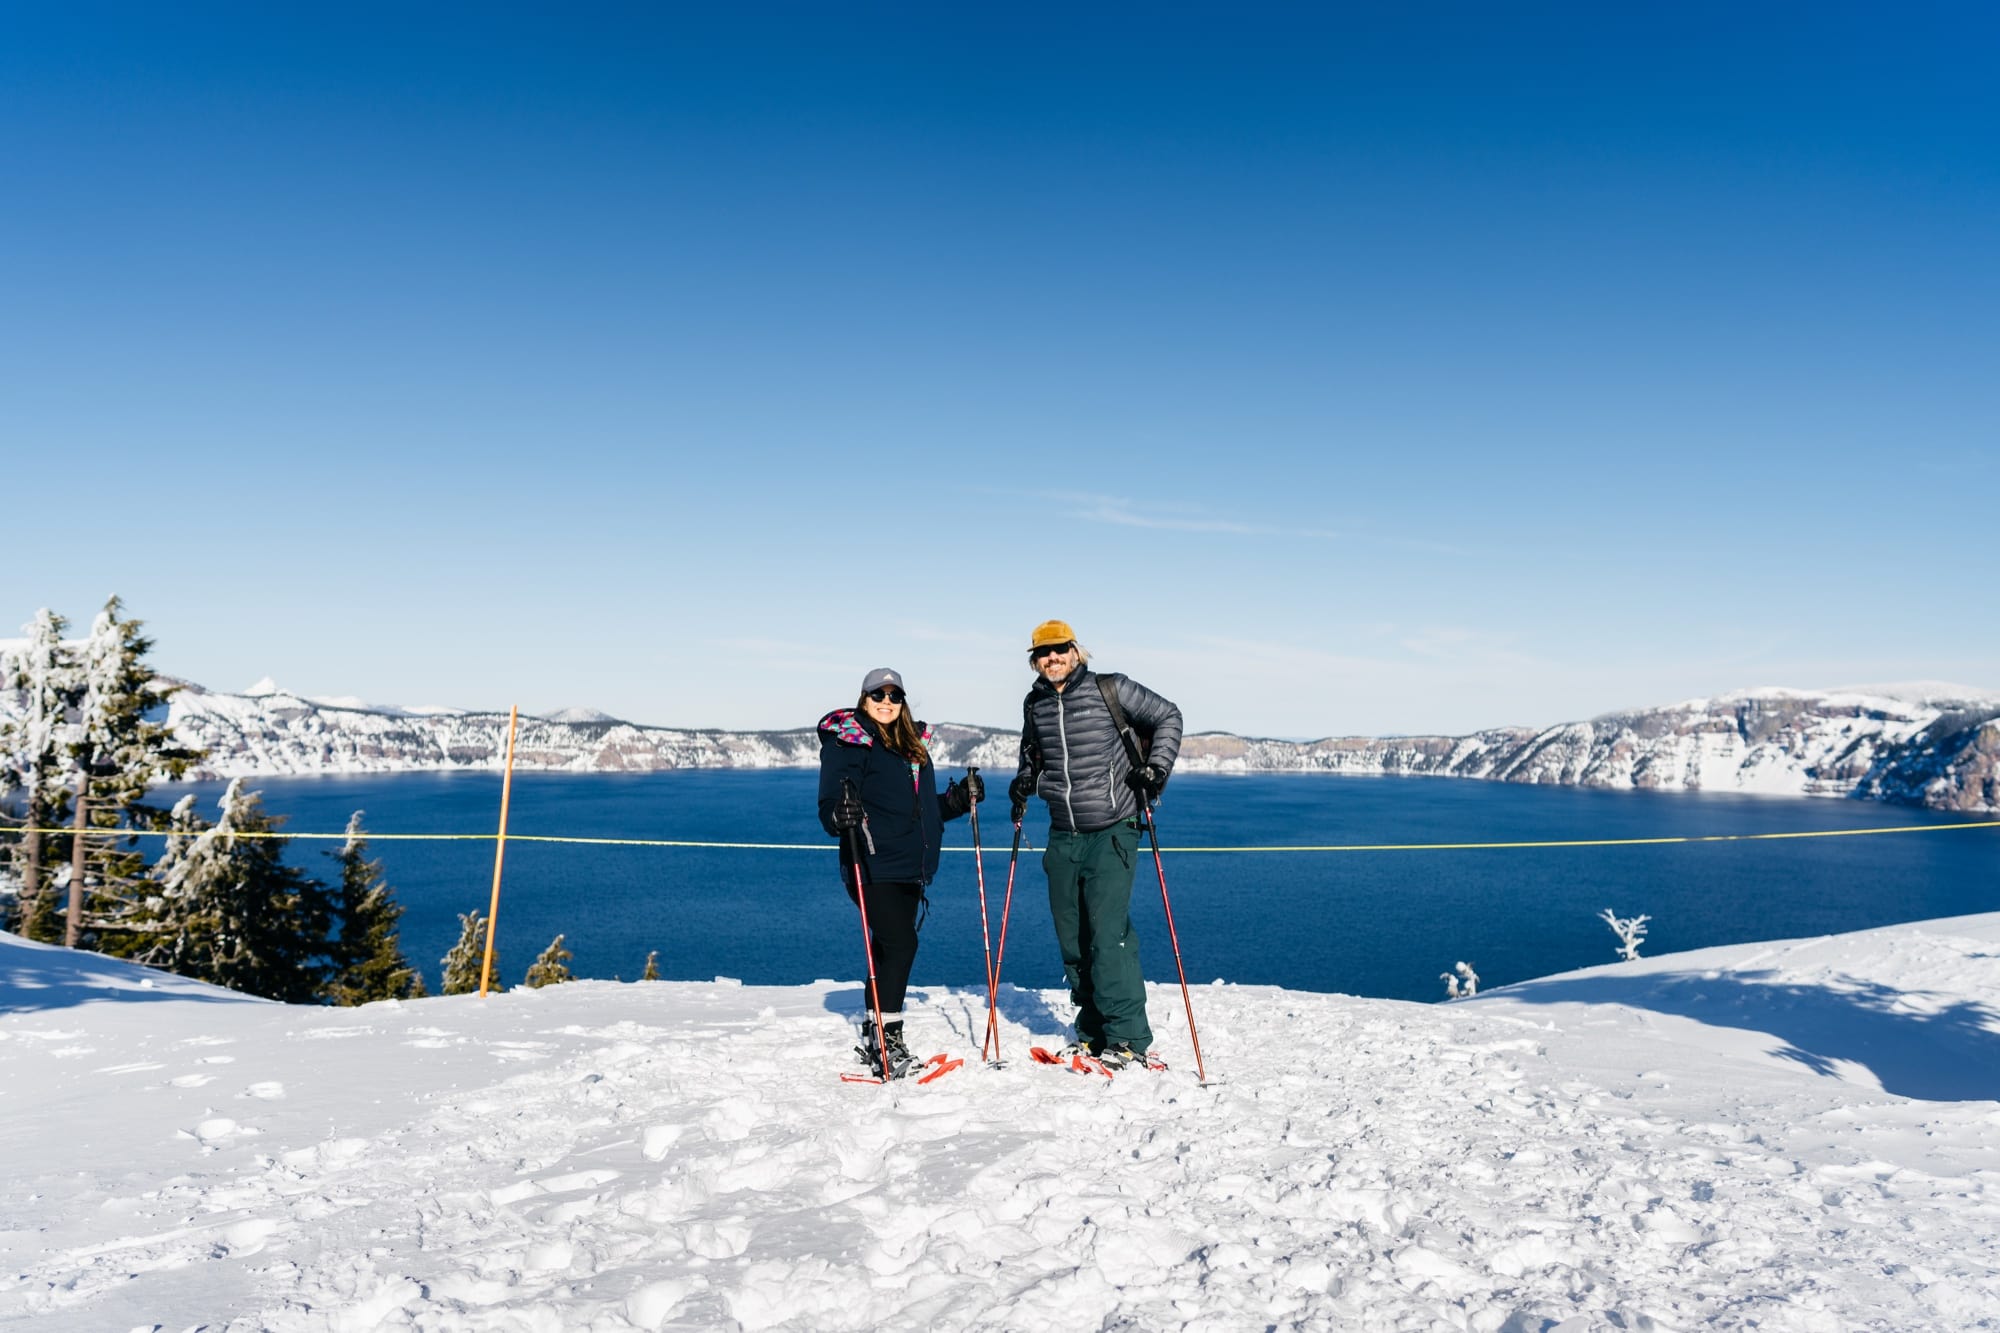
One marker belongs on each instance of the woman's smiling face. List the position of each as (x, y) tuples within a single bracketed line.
[(884, 704)]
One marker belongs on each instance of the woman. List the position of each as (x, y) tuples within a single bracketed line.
[(875, 769)]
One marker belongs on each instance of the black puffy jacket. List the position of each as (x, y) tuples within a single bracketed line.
[(1070, 741), (906, 813)]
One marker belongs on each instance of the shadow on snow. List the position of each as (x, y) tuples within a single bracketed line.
[(34, 979), (1030, 1009), (1916, 1043)]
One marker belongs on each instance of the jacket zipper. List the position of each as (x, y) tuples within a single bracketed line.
[(1062, 730), (917, 809)]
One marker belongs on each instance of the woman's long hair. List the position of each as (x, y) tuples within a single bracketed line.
[(900, 735)]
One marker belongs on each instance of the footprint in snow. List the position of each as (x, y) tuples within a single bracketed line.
[(248, 1237), (264, 1091), (216, 1129), (719, 1240)]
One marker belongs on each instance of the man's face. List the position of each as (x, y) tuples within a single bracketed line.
[(1054, 663)]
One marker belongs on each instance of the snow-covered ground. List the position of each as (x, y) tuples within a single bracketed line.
[(1794, 1136)]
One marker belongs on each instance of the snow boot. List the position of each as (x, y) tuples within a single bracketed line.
[(1122, 1056), (900, 1062)]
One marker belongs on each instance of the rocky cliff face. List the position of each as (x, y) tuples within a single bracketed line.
[(1940, 753), (1937, 751), (283, 733)]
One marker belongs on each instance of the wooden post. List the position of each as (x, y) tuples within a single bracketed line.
[(73, 923), (499, 850)]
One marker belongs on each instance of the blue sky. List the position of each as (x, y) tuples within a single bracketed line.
[(1332, 370)]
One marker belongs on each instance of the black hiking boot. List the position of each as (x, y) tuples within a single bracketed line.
[(900, 1062)]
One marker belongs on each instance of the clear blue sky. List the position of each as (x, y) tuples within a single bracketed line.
[(1332, 370)]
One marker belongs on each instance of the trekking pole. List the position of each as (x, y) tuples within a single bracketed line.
[(1146, 808), (1006, 907), (985, 929), (867, 940)]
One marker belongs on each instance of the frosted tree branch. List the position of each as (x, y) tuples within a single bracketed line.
[(1631, 932)]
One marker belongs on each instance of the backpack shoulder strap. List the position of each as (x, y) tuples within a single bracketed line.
[(1108, 686)]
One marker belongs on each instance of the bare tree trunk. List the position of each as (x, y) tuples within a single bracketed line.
[(31, 867), (31, 849), (74, 921)]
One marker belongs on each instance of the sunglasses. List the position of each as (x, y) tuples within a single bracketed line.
[(1049, 650), (886, 695)]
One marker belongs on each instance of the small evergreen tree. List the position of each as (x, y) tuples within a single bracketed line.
[(652, 972), (368, 962), (462, 964), (551, 968), (229, 911)]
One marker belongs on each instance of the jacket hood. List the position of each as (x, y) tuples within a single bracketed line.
[(849, 728), (845, 726)]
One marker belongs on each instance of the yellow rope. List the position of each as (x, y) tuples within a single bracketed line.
[(827, 847)]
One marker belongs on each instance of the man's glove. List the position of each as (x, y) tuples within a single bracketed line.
[(847, 811), (1018, 791), (975, 787), (1149, 780)]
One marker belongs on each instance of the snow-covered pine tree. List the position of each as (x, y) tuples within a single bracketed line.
[(552, 967), (35, 746), (123, 740), (368, 962), (229, 911), (97, 707), (652, 972), (462, 964)]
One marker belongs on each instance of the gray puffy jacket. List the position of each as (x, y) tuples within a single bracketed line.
[(1070, 741)]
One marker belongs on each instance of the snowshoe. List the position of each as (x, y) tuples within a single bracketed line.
[(901, 1064)]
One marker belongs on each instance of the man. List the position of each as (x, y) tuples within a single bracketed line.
[(1074, 758)]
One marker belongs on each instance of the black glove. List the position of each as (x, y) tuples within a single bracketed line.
[(1149, 780), (960, 796), (1018, 791), (847, 811)]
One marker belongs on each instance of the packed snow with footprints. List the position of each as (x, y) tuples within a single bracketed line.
[(1798, 1135)]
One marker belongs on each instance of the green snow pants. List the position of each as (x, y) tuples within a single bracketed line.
[(1090, 896)]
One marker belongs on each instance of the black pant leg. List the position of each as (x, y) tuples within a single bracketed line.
[(892, 922)]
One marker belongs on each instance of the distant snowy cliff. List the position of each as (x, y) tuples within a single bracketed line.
[(1937, 751), (1937, 747), (273, 731)]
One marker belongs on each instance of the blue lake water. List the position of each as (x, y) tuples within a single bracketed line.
[(1374, 923)]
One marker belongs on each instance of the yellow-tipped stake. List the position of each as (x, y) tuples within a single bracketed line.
[(499, 850)]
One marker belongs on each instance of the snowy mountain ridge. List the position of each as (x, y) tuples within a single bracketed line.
[(1942, 752), (1924, 744)]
